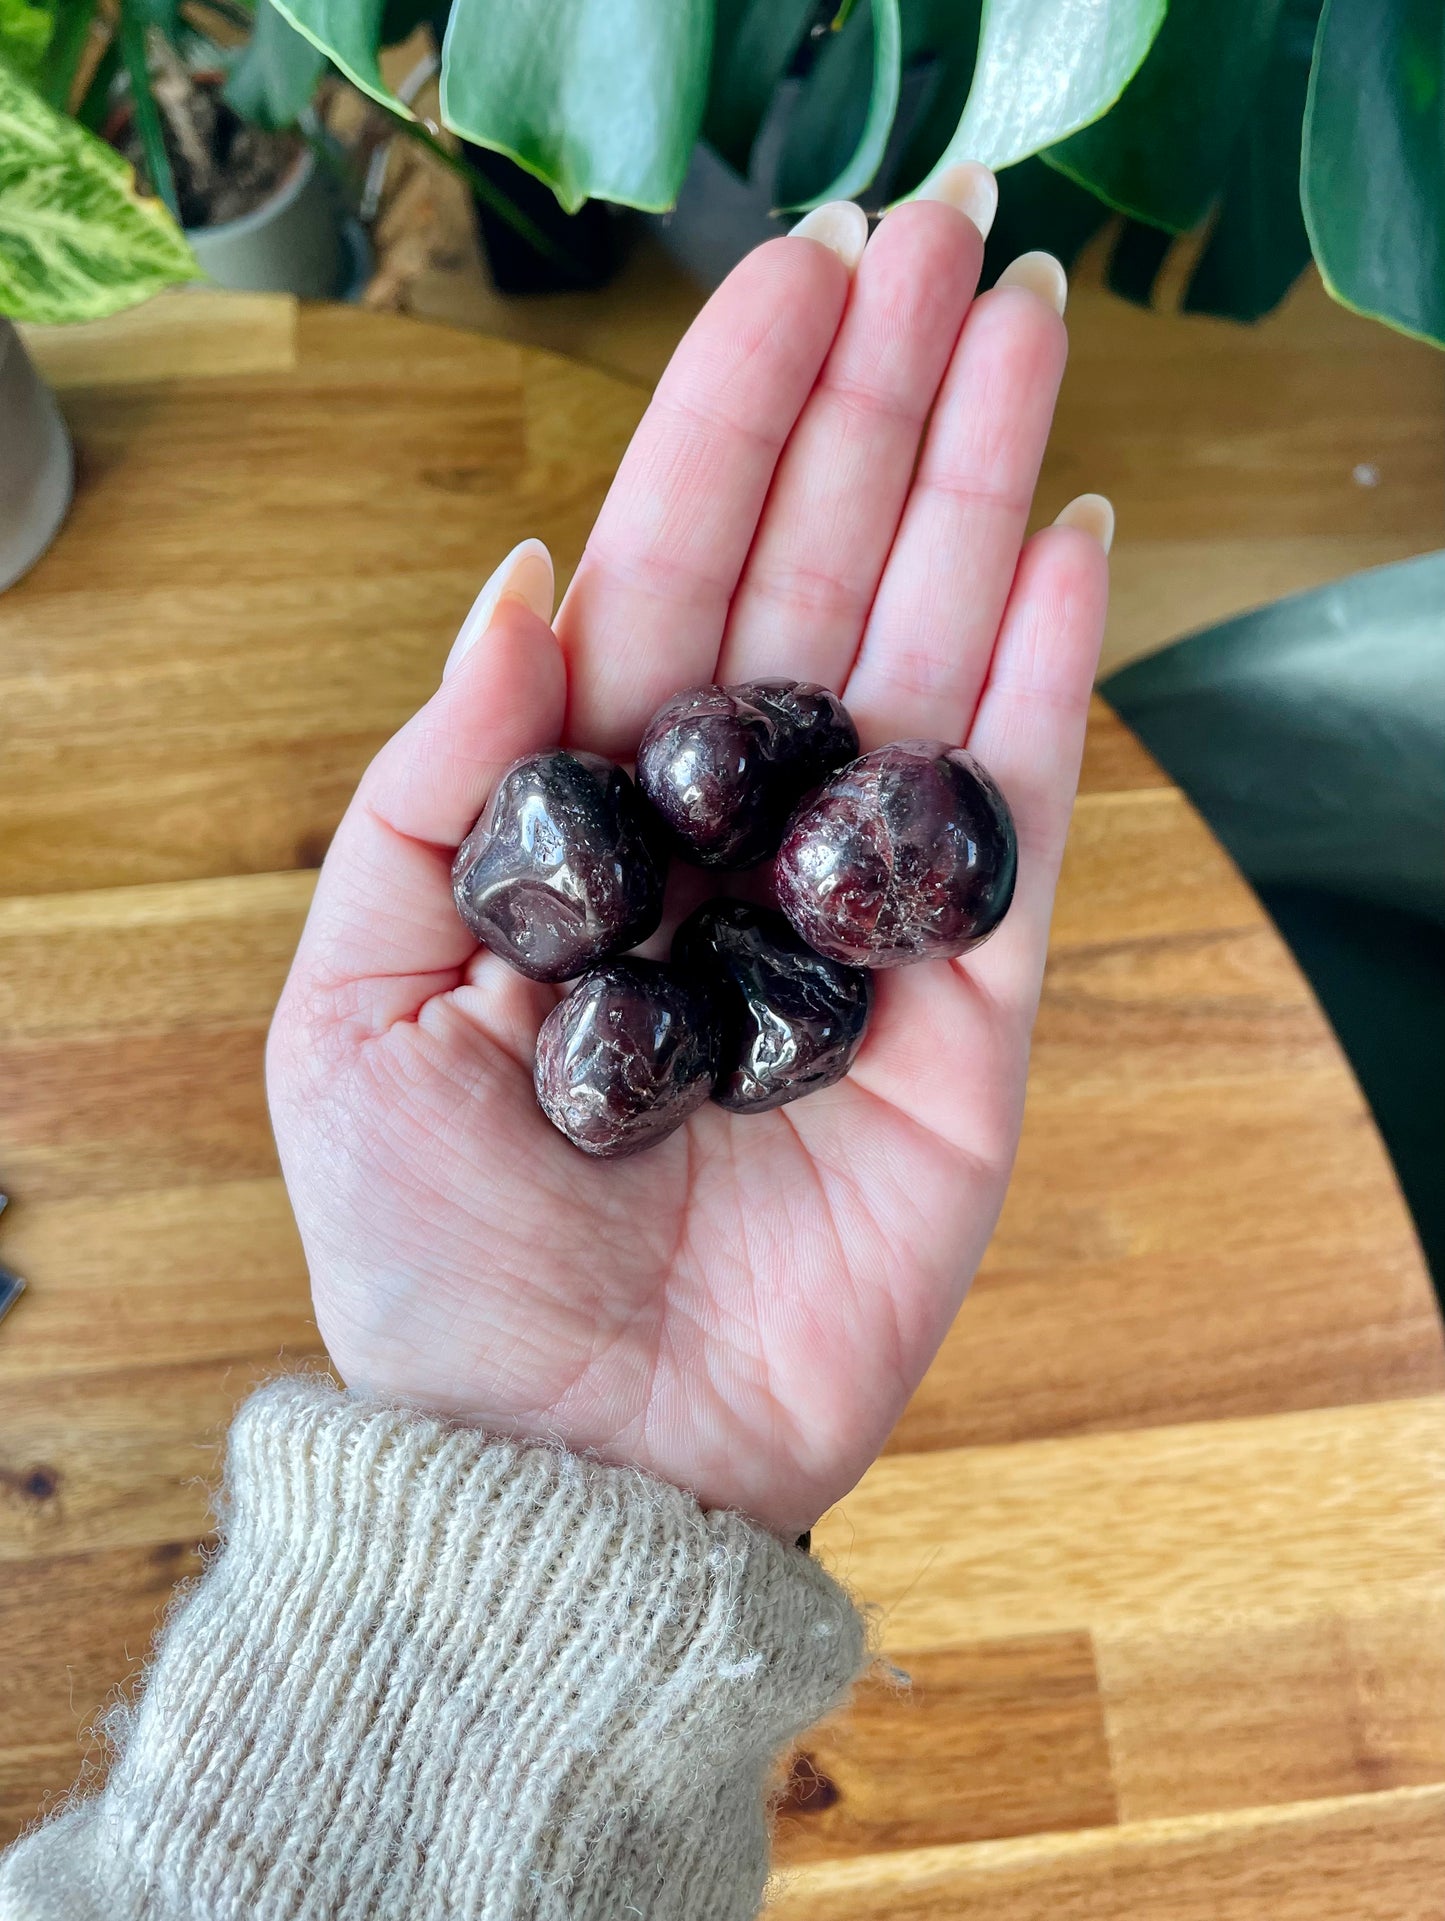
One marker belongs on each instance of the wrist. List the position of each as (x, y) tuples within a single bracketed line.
[(430, 1649)]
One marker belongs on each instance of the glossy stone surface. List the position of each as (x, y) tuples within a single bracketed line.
[(908, 854), (725, 766), (561, 869), (789, 1020), (625, 1058)]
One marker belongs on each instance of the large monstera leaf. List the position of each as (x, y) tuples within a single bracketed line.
[(601, 99), (605, 98), (1373, 168)]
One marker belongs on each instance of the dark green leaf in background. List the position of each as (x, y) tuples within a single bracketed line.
[(276, 73), (754, 42), (164, 15), (132, 35), (62, 57), (940, 39), (1038, 207), (1162, 154), (401, 18), (599, 98), (1135, 261), (1259, 246), (845, 113), (1373, 167), (93, 106)]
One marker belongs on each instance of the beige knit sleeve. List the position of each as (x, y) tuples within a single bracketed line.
[(437, 1675)]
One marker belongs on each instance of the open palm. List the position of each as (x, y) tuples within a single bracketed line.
[(831, 483)]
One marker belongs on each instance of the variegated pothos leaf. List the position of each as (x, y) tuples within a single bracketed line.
[(77, 241)]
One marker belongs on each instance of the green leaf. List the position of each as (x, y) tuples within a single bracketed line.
[(401, 18), (1136, 259), (163, 15), (276, 74), (1162, 154), (1044, 69), (854, 67), (349, 33), (944, 35), (1373, 166), (25, 30), (132, 34), (56, 79), (76, 240), (599, 98), (1259, 246), (94, 104), (753, 45)]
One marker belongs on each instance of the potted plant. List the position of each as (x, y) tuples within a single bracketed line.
[(213, 103), (209, 101), (77, 242), (1283, 129)]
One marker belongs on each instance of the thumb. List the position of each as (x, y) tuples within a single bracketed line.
[(383, 924)]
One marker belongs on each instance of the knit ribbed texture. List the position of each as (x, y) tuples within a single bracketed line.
[(434, 1674)]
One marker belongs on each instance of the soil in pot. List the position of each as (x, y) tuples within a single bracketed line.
[(223, 167)]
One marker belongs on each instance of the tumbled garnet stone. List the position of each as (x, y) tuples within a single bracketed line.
[(908, 854), (725, 766), (789, 1020), (560, 871), (625, 1058)]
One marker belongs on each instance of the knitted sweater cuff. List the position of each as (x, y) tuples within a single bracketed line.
[(433, 1673)]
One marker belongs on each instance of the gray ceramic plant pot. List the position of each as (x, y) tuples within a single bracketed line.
[(37, 466), (291, 243)]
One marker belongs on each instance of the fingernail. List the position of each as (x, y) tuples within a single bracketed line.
[(841, 225), (526, 575), (1040, 273), (969, 187), (1092, 514)]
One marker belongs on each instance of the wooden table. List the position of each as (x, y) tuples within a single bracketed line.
[(1161, 1539)]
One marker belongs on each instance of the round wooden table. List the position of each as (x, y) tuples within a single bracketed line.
[(1161, 1539)]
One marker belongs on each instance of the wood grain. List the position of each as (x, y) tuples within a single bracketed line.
[(1377, 1857), (194, 333), (1160, 1542), (278, 617), (1244, 462), (999, 1737)]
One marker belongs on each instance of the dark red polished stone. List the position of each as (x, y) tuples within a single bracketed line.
[(626, 1057), (789, 1020), (725, 766), (561, 869), (907, 854)]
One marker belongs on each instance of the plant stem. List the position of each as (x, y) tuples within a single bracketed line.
[(62, 56), (91, 109), (242, 18), (133, 51), (491, 196)]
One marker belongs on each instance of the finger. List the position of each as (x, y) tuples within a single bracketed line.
[(948, 1042), (644, 615), (383, 932), (1029, 730), (843, 477), (931, 631)]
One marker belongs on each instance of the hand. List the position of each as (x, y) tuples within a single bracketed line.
[(831, 483)]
